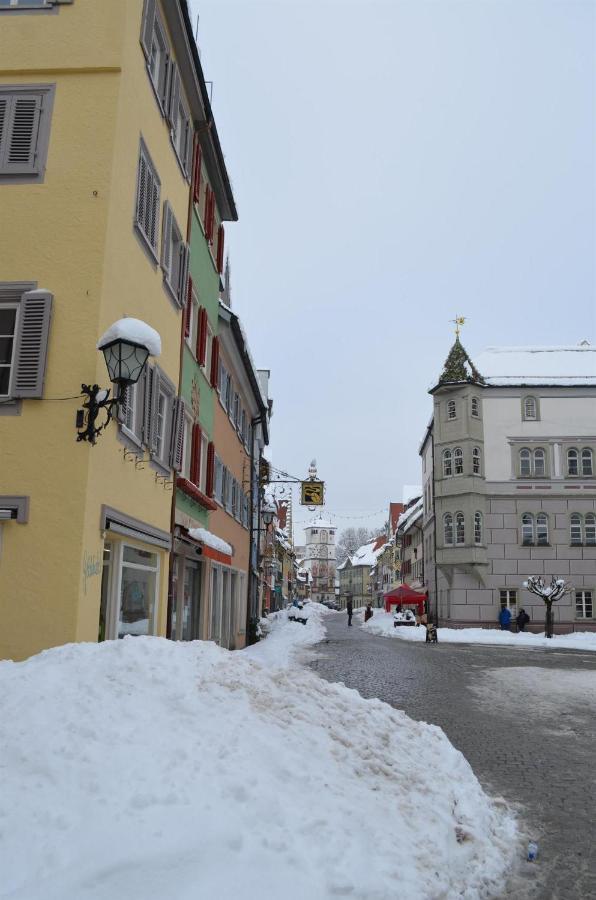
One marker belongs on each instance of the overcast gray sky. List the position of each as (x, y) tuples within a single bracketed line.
[(395, 163)]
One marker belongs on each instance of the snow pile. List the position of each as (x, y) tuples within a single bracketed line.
[(134, 330), (382, 623), (145, 769), (211, 540), (284, 646)]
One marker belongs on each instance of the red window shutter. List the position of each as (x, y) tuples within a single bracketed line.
[(207, 208), (220, 248), (196, 178), (195, 456), (210, 469), (188, 311), (200, 330), (202, 357), (215, 362)]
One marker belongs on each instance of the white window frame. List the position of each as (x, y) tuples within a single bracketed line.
[(475, 407), (451, 410), (160, 78), (208, 352), (508, 599), (203, 469), (527, 530), (191, 337), (590, 535), (576, 531), (476, 461), (187, 447), (460, 529), (586, 454), (447, 463), (448, 530), (584, 603), (527, 414), (478, 528), (458, 461), (10, 365)]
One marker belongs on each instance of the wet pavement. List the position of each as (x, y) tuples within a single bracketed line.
[(524, 718)]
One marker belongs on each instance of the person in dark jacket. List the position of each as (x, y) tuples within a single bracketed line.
[(505, 619), (350, 610), (368, 612), (522, 620)]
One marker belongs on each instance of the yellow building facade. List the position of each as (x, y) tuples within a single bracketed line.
[(95, 222)]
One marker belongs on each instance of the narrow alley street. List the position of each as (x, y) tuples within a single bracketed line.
[(524, 719)]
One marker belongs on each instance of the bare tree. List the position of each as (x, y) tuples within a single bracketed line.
[(549, 593), (349, 540)]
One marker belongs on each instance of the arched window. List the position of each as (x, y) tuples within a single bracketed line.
[(575, 529), (447, 470), (477, 527), (529, 407), (458, 461), (572, 462), (590, 530), (527, 529), (451, 409), (475, 407), (541, 529), (476, 461), (587, 464), (525, 464), (448, 529), (460, 528), (539, 461)]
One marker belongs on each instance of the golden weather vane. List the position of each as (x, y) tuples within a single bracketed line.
[(458, 322)]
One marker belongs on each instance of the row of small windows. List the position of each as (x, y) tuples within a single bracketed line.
[(529, 408), (474, 408), (534, 529), (582, 529), (453, 462), (533, 462), (454, 529)]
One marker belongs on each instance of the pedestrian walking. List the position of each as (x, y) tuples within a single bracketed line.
[(505, 619), (350, 610), (368, 612), (522, 620)]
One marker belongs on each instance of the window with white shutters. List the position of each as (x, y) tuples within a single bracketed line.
[(25, 113), (147, 205)]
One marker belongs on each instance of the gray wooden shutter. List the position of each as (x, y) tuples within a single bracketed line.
[(188, 155), (31, 348), (177, 434), (3, 125), (166, 241), (142, 193), (182, 286), (147, 406), (22, 129), (154, 407), (147, 25), (174, 98)]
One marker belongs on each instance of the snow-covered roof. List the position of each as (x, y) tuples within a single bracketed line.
[(343, 564), (411, 514), (134, 330), (367, 554), (211, 540), (410, 491), (320, 523), (563, 365)]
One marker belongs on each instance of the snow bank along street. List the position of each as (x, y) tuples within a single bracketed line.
[(143, 769), (382, 623)]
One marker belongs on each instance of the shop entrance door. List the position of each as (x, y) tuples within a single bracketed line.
[(191, 601)]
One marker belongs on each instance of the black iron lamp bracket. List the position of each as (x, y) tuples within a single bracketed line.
[(87, 429)]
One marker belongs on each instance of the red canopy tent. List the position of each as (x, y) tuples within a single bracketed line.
[(404, 595)]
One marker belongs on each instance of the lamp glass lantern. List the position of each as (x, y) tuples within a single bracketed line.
[(267, 515), (124, 361)]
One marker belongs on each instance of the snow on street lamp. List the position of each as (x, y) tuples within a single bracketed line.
[(126, 346)]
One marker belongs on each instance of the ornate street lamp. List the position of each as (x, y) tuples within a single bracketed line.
[(126, 346)]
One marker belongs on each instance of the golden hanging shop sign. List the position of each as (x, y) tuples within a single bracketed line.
[(312, 493)]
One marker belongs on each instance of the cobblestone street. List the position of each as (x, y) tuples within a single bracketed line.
[(523, 718)]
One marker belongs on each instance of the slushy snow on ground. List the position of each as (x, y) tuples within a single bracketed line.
[(382, 623), (146, 769)]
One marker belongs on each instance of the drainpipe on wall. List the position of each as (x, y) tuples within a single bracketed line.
[(254, 422)]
